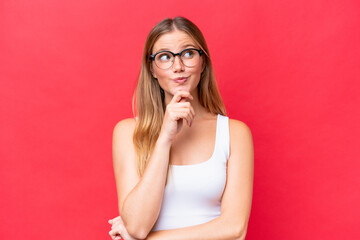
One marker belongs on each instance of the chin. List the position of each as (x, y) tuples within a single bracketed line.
[(182, 88)]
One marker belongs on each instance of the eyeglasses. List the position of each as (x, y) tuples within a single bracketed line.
[(190, 57)]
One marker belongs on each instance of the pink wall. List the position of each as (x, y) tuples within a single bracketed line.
[(288, 69)]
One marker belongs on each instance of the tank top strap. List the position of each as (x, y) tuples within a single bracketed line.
[(223, 135)]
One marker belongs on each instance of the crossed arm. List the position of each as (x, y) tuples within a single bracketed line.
[(236, 200)]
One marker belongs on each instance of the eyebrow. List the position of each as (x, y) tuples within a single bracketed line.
[(167, 49)]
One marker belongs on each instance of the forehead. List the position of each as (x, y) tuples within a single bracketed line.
[(173, 41)]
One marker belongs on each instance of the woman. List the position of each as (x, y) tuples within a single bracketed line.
[(183, 169)]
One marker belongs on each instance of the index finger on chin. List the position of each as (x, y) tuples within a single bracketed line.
[(181, 96)]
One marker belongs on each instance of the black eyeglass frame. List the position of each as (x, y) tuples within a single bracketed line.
[(152, 57)]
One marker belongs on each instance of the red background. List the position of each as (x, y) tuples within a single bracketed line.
[(288, 69)]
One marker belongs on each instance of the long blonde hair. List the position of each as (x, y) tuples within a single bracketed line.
[(148, 99)]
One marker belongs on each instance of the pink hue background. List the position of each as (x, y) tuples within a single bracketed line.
[(288, 69)]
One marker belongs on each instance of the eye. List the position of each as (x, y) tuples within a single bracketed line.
[(188, 53), (164, 57)]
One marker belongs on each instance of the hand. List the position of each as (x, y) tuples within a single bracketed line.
[(118, 230), (176, 111)]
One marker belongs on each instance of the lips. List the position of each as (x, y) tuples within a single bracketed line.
[(180, 79)]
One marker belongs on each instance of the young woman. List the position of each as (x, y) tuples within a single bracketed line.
[(183, 169)]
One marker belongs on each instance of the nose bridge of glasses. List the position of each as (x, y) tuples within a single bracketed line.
[(174, 58)]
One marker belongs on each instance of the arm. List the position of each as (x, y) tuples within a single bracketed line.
[(140, 199), (237, 197), (138, 214)]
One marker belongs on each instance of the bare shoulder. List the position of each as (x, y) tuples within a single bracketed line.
[(125, 124), (239, 128), (123, 147), (240, 136), (124, 128)]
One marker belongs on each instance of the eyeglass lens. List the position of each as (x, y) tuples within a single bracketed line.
[(189, 58)]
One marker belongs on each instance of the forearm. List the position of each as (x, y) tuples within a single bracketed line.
[(142, 206), (219, 228)]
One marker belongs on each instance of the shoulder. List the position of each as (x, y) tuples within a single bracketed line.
[(122, 143), (123, 134), (125, 127), (238, 127), (240, 135)]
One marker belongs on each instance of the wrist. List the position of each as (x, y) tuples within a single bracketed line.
[(163, 141)]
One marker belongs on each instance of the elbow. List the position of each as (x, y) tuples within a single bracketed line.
[(240, 232), (137, 234), (135, 227), (136, 231)]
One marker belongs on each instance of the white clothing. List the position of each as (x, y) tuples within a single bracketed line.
[(193, 192)]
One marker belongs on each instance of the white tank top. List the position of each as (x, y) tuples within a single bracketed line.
[(193, 193)]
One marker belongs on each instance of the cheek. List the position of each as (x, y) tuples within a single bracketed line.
[(162, 75), (197, 71)]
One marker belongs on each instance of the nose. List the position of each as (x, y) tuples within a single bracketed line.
[(178, 65)]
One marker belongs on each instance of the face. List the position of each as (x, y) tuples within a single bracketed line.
[(178, 76)]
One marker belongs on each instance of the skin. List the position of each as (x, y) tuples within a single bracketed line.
[(176, 41), (183, 141)]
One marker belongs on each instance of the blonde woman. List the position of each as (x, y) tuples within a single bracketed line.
[(183, 169)]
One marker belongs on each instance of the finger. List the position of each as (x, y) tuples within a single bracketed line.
[(187, 108), (190, 119), (184, 115), (113, 234), (178, 96), (187, 122), (118, 237), (192, 114), (181, 94), (114, 219), (115, 231), (183, 104), (179, 116), (116, 224), (192, 111)]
